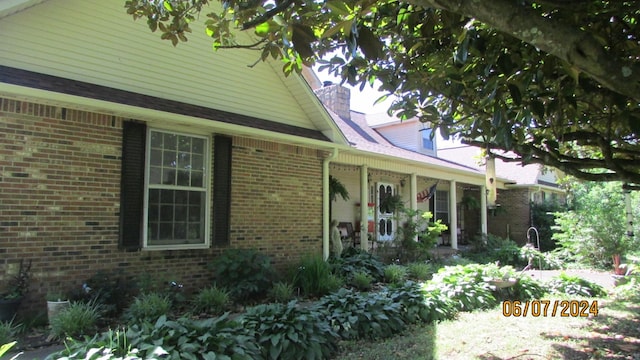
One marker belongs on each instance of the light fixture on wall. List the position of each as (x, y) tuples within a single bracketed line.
[(402, 182)]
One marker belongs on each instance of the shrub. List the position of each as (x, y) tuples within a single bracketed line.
[(411, 296), (246, 272), (281, 292), (574, 285), (214, 338), (76, 320), (361, 280), (629, 291), (211, 300), (355, 260), (314, 277), (354, 315), (148, 307), (290, 332), (420, 271), (465, 285), (111, 289), (492, 249)]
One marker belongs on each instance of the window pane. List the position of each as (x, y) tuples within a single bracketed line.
[(176, 203)]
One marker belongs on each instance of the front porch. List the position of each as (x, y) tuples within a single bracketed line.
[(456, 203)]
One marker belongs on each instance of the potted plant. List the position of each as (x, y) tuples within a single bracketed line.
[(14, 291), (56, 302)]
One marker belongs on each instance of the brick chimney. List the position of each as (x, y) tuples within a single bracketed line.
[(336, 98)]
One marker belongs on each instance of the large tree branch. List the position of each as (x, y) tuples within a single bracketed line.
[(578, 48)]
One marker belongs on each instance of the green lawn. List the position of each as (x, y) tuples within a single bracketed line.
[(613, 334)]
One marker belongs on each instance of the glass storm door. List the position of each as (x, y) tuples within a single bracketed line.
[(386, 223)]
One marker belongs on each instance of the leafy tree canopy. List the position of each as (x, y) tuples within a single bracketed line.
[(556, 82)]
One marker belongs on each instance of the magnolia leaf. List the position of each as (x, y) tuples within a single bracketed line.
[(343, 26), (514, 90), (339, 8), (370, 45), (302, 38)]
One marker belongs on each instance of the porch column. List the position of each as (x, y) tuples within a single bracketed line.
[(364, 207), (413, 192), (453, 215), (413, 195), (483, 210)]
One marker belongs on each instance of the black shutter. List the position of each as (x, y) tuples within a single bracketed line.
[(221, 189), (132, 185)]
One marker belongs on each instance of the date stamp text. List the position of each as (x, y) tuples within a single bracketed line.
[(553, 308)]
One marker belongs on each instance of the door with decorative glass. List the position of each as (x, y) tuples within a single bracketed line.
[(385, 218)]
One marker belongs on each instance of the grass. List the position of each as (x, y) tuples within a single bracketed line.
[(488, 335)]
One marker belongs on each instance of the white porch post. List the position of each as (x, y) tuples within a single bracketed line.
[(364, 207), (413, 195), (453, 215), (326, 222), (483, 210)]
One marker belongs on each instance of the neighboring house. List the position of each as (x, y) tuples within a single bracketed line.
[(119, 151), (526, 185), (374, 168)]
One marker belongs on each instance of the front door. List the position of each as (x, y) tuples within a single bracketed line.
[(386, 220)]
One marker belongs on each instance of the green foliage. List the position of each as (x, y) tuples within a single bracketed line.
[(411, 297), (315, 278), (361, 280), (212, 300), (594, 229), (148, 307), (491, 249), (8, 332), (111, 289), (355, 315), (574, 285), (355, 260), (417, 224), (543, 220), (184, 338), (498, 84), (336, 188), (395, 273), (420, 271), (465, 285), (78, 319), (18, 284), (290, 332), (281, 292), (629, 291), (540, 260), (246, 272)]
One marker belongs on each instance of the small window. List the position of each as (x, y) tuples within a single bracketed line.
[(427, 141), (442, 206), (177, 191)]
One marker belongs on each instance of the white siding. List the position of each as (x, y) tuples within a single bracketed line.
[(96, 41), (403, 135)]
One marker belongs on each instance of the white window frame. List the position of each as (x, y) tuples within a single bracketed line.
[(207, 180), (439, 201)]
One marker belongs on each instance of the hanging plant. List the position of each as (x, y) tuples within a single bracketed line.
[(337, 188)]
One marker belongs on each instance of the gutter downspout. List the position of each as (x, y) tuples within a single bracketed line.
[(326, 222)]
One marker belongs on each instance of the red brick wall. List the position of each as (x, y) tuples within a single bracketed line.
[(512, 218), (60, 191)]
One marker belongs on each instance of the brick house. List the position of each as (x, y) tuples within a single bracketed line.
[(377, 165), (399, 154), (119, 151)]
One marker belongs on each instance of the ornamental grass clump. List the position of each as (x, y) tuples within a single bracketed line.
[(394, 273), (420, 271), (76, 320), (211, 300), (148, 307)]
